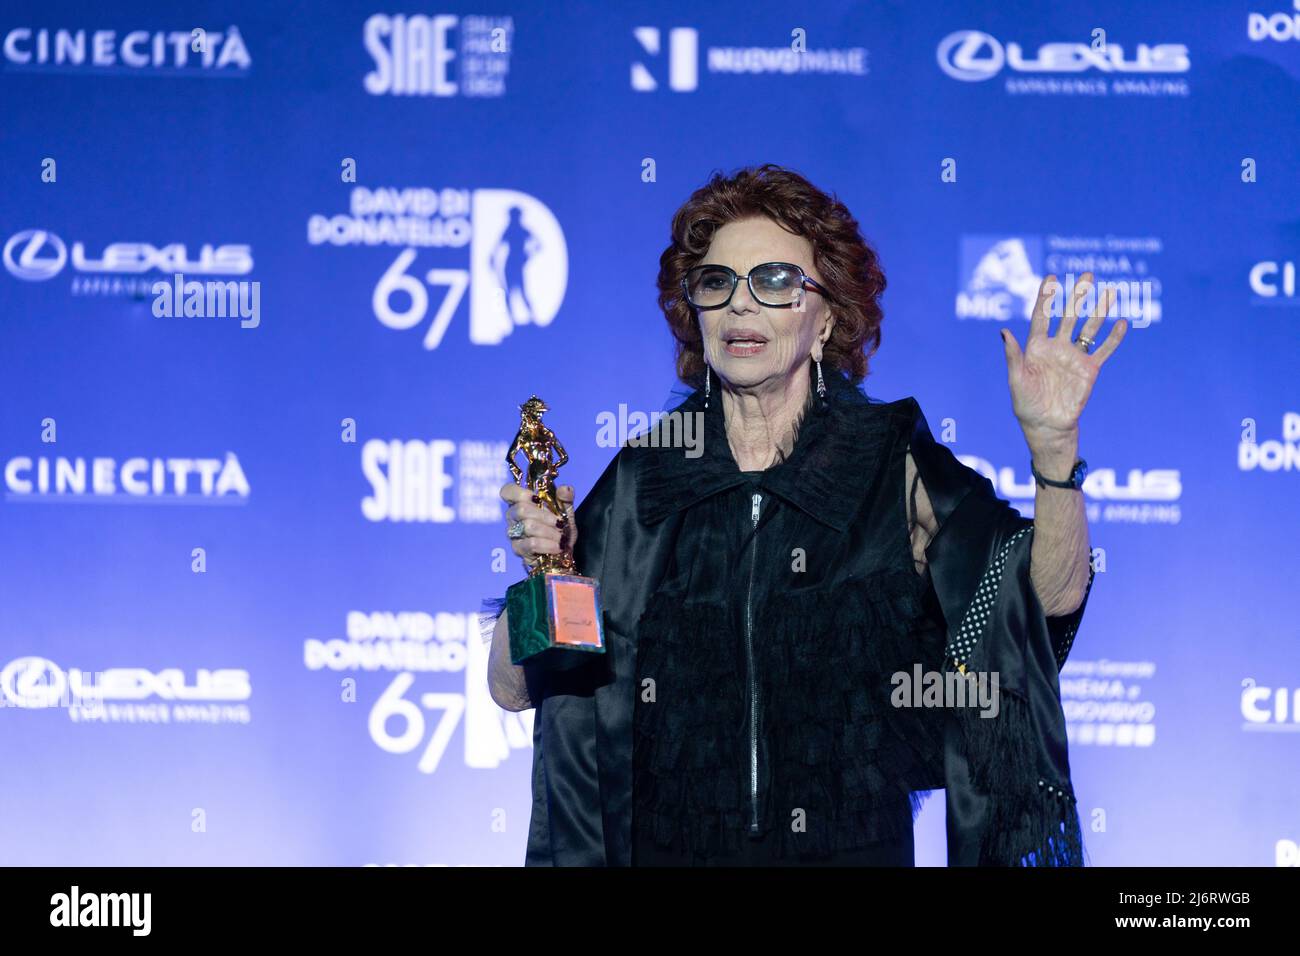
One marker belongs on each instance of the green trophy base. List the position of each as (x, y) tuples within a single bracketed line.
[(551, 614)]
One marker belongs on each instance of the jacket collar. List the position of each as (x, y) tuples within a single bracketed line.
[(823, 476)]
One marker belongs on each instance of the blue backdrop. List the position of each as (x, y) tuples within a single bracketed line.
[(241, 554)]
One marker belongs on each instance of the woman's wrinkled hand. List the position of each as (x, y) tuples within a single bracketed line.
[(543, 532), (1053, 377)]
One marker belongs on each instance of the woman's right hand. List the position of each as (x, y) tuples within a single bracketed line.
[(543, 532)]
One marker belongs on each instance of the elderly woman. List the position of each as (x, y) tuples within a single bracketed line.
[(775, 606)]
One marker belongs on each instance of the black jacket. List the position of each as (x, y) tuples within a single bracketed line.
[(1009, 796)]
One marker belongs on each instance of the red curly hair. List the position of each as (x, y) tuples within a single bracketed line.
[(848, 266)]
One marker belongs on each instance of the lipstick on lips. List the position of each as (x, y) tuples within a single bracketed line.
[(743, 342)]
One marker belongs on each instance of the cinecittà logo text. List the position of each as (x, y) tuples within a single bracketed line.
[(200, 479), (63, 50)]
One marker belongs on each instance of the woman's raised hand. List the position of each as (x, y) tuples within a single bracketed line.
[(1053, 377)]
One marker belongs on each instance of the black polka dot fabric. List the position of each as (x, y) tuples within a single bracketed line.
[(976, 621)]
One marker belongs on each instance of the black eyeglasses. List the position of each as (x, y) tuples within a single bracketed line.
[(778, 285)]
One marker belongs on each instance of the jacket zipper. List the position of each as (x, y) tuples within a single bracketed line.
[(753, 684)]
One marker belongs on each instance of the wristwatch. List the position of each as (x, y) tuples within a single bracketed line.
[(1077, 474)]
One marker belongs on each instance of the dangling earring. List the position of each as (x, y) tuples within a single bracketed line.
[(707, 376), (822, 404)]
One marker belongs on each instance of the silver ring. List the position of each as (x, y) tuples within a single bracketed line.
[(1085, 343), (516, 530)]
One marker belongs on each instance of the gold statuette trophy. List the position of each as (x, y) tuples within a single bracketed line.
[(554, 609)]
